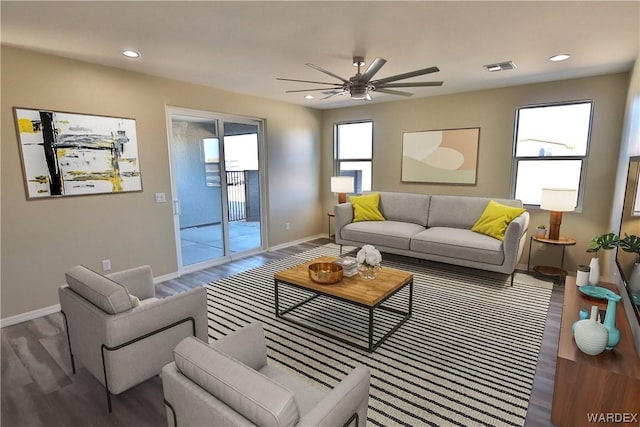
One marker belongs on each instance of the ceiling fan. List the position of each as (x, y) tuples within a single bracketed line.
[(361, 85)]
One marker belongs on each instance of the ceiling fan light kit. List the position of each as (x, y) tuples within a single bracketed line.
[(360, 86)]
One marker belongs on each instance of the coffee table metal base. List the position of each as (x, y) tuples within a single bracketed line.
[(371, 344)]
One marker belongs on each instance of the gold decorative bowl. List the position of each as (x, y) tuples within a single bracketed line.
[(325, 272)]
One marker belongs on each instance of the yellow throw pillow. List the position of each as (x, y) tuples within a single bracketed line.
[(365, 208), (495, 219)]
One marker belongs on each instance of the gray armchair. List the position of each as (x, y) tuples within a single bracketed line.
[(120, 331), (230, 383)]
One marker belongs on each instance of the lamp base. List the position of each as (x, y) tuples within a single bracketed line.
[(342, 197), (555, 219)]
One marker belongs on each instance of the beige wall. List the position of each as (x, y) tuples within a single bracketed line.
[(494, 112), (43, 238)]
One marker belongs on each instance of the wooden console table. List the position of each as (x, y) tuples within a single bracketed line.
[(608, 383)]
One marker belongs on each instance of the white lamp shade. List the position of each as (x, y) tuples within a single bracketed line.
[(558, 199), (342, 184)]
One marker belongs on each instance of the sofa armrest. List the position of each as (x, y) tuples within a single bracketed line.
[(138, 280), (350, 396), (246, 345), (513, 243), (149, 317), (343, 215)]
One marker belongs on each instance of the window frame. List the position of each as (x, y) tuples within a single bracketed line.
[(336, 148), (583, 158)]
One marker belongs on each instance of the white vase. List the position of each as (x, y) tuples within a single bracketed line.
[(594, 271), (634, 280), (582, 275), (591, 337)]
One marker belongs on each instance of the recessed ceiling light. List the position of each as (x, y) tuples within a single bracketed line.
[(308, 97), (130, 53), (560, 57)]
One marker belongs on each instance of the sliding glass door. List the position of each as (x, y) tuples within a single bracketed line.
[(217, 187)]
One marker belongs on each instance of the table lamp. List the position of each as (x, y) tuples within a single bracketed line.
[(557, 200), (342, 185)]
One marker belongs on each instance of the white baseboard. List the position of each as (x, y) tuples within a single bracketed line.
[(165, 277), (296, 242), (29, 315)]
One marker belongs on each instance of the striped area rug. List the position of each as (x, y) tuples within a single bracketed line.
[(466, 357)]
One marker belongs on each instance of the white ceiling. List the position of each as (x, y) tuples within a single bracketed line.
[(243, 46)]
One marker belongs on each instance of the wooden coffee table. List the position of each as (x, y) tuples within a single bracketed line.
[(370, 294)]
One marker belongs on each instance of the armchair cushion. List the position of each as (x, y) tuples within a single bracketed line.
[(138, 281), (247, 345), (110, 296), (256, 397)]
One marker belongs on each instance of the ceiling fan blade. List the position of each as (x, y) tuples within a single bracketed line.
[(414, 84), (394, 92), (322, 70), (308, 81), (335, 94), (309, 90), (372, 69), (407, 75)]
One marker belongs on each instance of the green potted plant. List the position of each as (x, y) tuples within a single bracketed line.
[(599, 242), (631, 243), (541, 230)]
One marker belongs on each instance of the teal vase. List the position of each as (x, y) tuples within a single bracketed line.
[(610, 320)]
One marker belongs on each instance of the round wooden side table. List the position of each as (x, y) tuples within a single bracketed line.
[(546, 270)]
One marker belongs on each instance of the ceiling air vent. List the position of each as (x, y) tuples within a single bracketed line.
[(502, 66)]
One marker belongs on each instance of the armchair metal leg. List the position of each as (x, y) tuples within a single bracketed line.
[(353, 417), (104, 347), (66, 327), (173, 412)]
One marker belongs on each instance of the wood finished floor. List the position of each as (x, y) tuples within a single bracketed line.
[(38, 388)]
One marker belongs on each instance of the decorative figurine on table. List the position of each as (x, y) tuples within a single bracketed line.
[(610, 320)]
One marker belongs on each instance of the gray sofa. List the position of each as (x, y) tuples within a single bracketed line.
[(230, 383), (436, 228)]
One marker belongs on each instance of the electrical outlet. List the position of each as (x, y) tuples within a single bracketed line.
[(106, 265), (161, 198), (287, 226)]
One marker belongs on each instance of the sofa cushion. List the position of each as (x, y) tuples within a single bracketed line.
[(392, 234), (110, 296), (458, 243), (405, 207), (256, 397), (460, 211), (365, 207), (495, 219)]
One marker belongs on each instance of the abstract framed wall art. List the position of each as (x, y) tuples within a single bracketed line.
[(448, 156), (70, 154)]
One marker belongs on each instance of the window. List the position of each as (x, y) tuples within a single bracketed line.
[(353, 152), (551, 147)]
